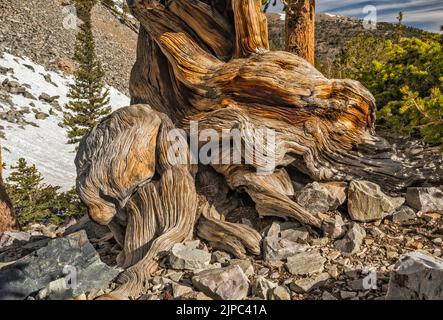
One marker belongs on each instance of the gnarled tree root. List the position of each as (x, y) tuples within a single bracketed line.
[(152, 203), (209, 62)]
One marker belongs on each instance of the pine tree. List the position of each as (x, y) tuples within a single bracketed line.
[(31, 198), (89, 100)]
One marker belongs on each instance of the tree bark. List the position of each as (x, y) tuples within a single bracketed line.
[(300, 28), (8, 220), (209, 63)]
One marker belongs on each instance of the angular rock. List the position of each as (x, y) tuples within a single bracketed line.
[(320, 242), (11, 83), (41, 115), (279, 293), (425, 199), (275, 248), (366, 202), (47, 98), (305, 263), (261, 287), (322, 197), (295, 235), (29, 95), (403, 214), (55, 290), (221, 257), (186, 256), (334, 227), (179, 290), (328, 296), (229, 283), (17, 90), (175, 276), (72, 257), (416, 276), (9, 237), (92, 229), (352, 241), (305, 285), (245, 265), (348, 294), (273, 231)]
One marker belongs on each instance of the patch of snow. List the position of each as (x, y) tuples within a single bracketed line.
[(45, 145), (330, 14), (282, 16)]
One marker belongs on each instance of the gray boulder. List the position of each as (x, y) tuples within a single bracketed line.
[(295, 235), (245, 265), (416, 276), (279, 293), (275, 248), (92, 229), (179, 290), (322, 197), (29, 95), (425, 199), (261, 287), (47, 98), (229, 283), (41, 115), (352, 241), (305, 263), (221, 257), (366, 202), (188, 256), (307, 284), (334, 227), (72, 258), (403, 214), (8, 238)]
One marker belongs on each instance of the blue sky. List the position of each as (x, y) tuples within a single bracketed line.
[(424, 14)]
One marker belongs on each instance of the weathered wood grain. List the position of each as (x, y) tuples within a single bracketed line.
[(8, 220), (209, 62)]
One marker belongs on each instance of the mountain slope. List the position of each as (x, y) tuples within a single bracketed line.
[(31, 100), (36, 29), (332, 32)]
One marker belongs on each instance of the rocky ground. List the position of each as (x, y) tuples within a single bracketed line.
[(373, 243), (32, 99), (35, 29)]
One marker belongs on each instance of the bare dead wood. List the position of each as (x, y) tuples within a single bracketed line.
[(198, 61), (300, 28), (8, 220)]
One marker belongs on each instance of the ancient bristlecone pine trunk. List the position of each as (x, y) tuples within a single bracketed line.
[(8, 221), (209, 62), (300, 28)]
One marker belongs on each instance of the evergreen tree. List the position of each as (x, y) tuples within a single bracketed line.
[(89, 101), (35, 201), (31, 198), (406, 81)]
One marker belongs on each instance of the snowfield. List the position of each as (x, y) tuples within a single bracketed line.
[(45, 145)]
